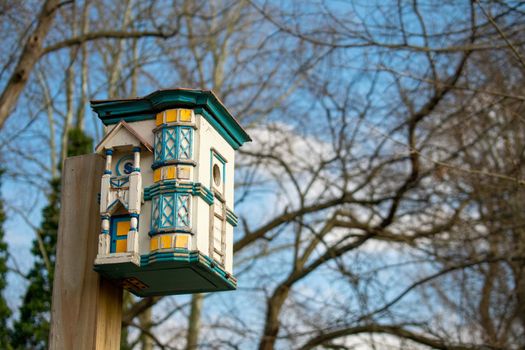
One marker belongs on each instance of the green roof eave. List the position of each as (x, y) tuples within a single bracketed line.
[(203, 101)]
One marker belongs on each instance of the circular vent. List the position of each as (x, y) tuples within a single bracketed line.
[(216, 175)]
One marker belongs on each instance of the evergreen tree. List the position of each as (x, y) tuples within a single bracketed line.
[(31, 331), (5, 312), (78, 143)]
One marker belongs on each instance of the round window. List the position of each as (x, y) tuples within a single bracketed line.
[(216, 175)]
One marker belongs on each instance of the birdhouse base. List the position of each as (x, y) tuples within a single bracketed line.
[(177, 271)]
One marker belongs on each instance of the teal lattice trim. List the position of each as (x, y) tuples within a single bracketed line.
[(196, 189), (170, 211), (167, 215), (173, 143)]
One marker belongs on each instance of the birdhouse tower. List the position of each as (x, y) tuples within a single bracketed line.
[(166, 199)]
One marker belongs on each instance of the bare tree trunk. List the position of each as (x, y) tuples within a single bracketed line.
[(134, 68), (520, 293), (70, 88), (272, 323), (194, 322), (30, 55), (81, 108), (485, 304), (518, 268), (114, 76), (145, 323), (69, 112), (51, 120)]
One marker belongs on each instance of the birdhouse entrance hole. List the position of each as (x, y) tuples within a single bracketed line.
[(216, 175)]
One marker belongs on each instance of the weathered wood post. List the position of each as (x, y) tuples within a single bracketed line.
[(87, 309)]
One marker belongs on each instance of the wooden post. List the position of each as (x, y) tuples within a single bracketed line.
[(87, 310)]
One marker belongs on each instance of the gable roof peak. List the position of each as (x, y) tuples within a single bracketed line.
[(122, 125)]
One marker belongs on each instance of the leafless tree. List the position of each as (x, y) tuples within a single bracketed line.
[(380, 201)]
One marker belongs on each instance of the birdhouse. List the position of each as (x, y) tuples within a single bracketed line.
[(166, 198)]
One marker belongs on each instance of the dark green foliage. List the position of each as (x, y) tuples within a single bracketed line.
[(31, 330), (78, 143), (5, 312)]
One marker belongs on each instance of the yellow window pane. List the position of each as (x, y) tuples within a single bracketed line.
[(122, 228), (171, 115), (181, 241), (156, 175), (170, 172), (185, 115), (122, 245), (154, 243), (158, 119), (165, 241)]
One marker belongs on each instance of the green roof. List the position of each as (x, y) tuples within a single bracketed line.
[(203, 102)]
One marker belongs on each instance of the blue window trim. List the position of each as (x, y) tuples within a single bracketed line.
[(113, 231), (178, 129), (159, 201)]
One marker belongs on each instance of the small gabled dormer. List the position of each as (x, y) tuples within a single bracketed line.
[(121, 193)]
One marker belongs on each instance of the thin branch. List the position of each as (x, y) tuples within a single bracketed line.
[(107, 34)]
